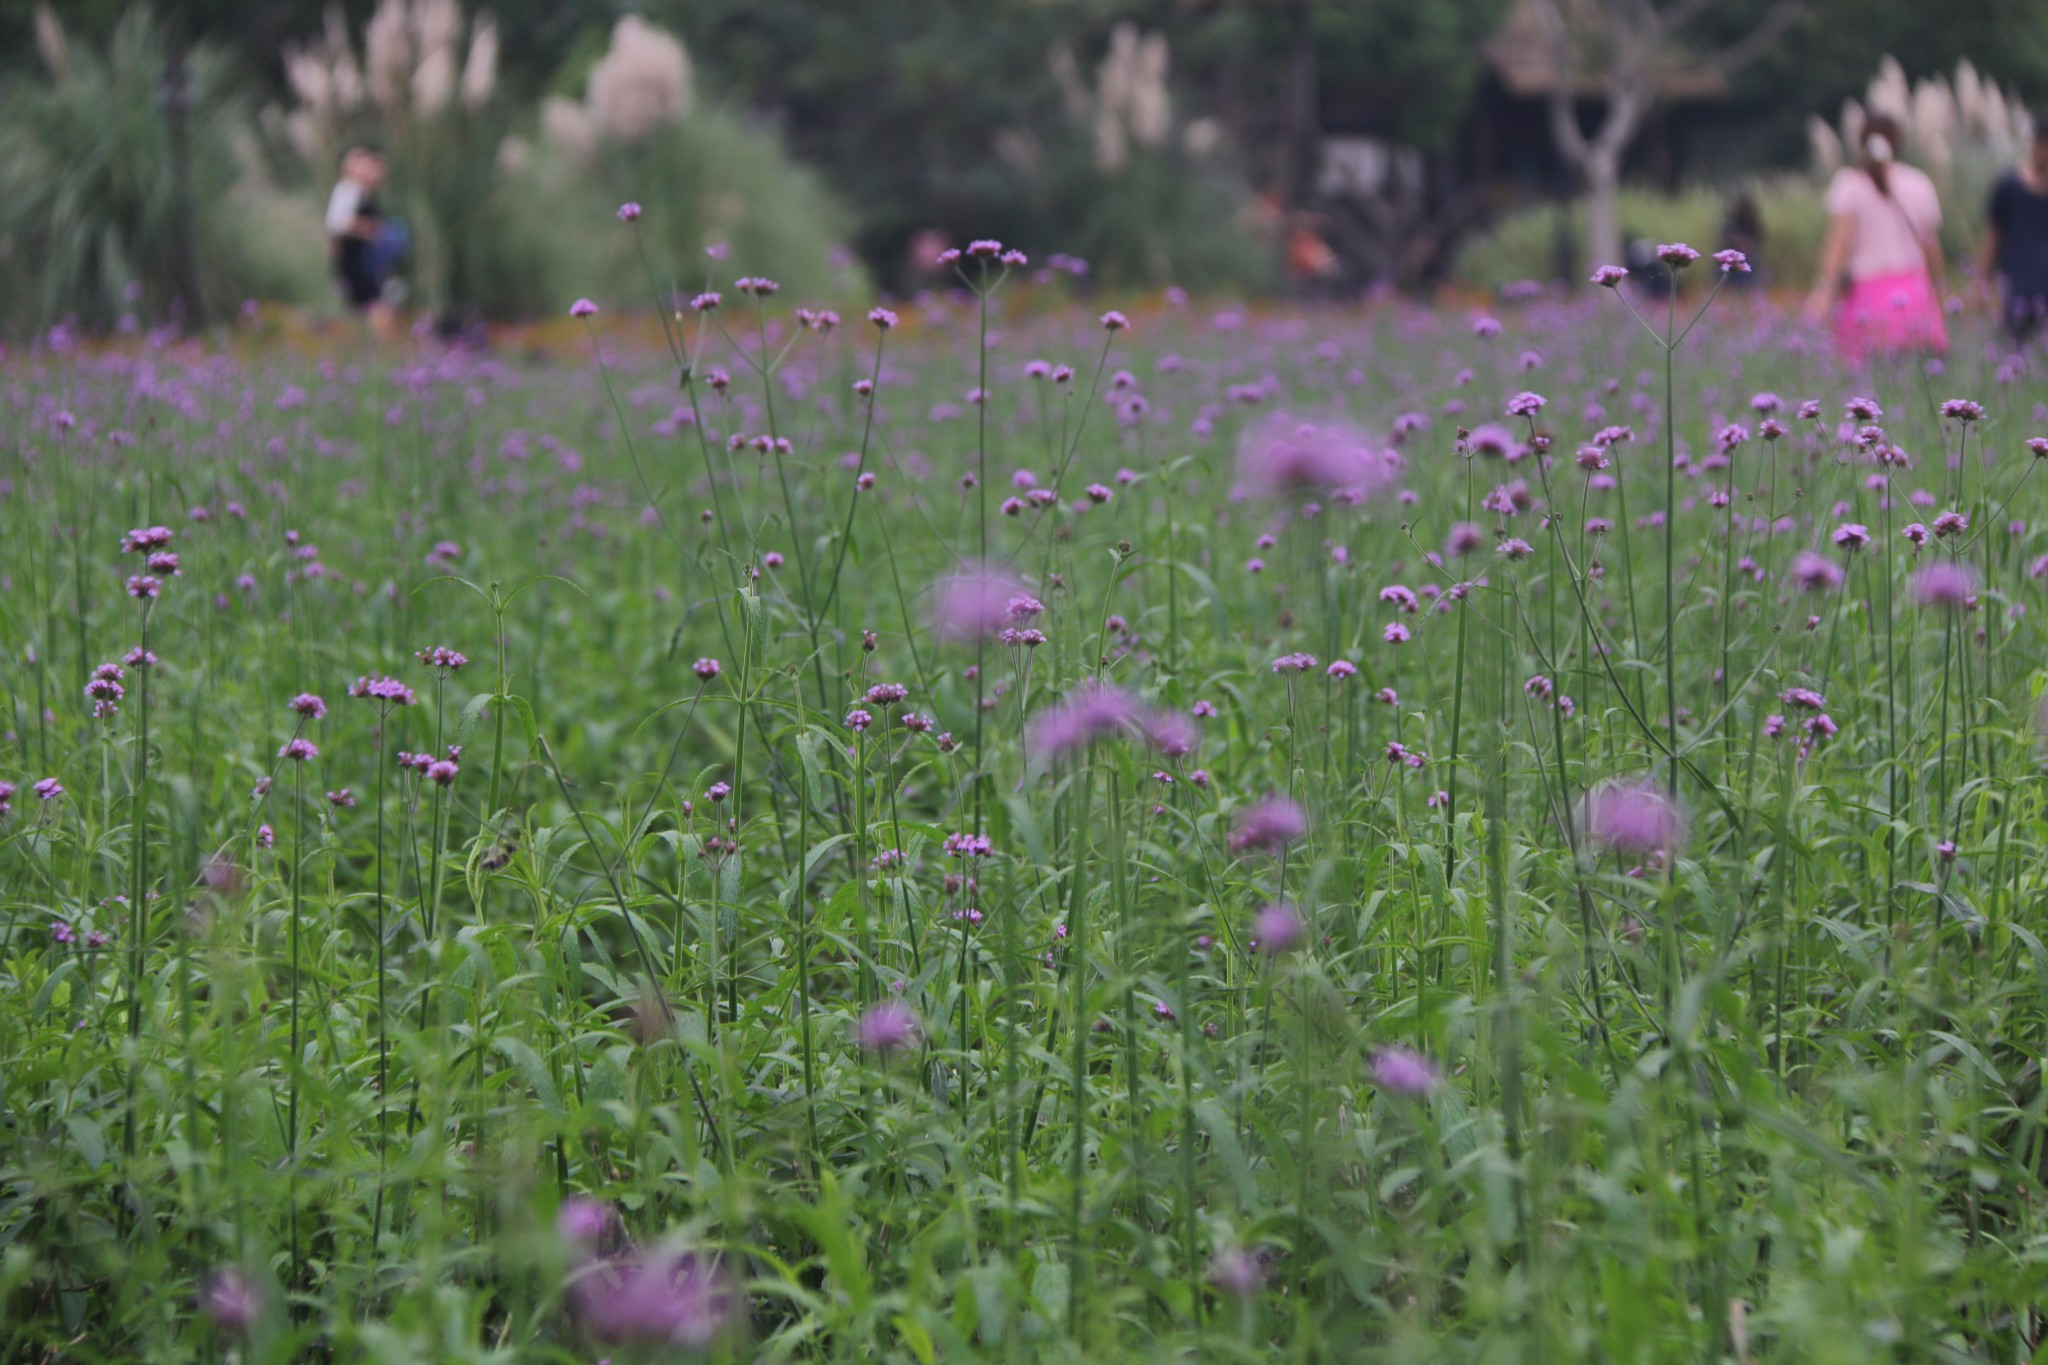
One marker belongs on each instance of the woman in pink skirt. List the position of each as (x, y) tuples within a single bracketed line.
[(1883, 225)]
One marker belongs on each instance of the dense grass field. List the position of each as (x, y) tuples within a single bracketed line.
[(1007, 832)]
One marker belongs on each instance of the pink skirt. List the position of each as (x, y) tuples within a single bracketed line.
[(1888, 314)]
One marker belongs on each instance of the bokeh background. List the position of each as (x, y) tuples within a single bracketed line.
[(168, 163)]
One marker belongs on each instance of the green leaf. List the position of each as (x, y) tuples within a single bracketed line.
[(528, 1064), (472, 712)]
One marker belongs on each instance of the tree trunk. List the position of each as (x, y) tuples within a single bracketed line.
[(1603, 206), (1304, 132)]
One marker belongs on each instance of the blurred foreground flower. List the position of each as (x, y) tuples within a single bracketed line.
[(1400, 1071), (1633, 817), (659, 1298)]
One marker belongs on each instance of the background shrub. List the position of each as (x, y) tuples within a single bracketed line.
[(88, 207)]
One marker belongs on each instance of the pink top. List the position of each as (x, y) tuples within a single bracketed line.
[(1886, 228)]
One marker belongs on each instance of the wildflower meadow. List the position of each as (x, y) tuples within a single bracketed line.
[(1013, 826)]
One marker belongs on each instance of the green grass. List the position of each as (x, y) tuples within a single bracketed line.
[(1774, 1097)]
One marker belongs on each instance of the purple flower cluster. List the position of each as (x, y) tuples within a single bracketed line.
[(388, 691)]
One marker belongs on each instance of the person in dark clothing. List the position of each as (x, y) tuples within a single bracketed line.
[(1742, 227), (2014, 257), (354, 220)]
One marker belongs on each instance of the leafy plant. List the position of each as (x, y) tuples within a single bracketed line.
[(91, 215)]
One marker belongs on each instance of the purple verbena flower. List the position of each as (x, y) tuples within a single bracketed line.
[(656, 1299), (1284, 455), (1633, 818), (1399, 1071), (1277, 930), (1268, 826), (1943, 584), (229, 1301), (887, 1028)]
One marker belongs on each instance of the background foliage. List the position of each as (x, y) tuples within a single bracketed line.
[(900, 111)]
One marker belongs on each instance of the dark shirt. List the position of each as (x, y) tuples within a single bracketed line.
[(355, 252), (2021, 218)]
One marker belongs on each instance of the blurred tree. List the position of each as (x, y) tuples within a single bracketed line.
[(902, 101), (97, 194), (898, 101), (1622, 52), (252, 32)]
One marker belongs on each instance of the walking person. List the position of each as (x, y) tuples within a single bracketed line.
[(1742, 227), (354, 221), (2014, 258), (1880, 273)]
